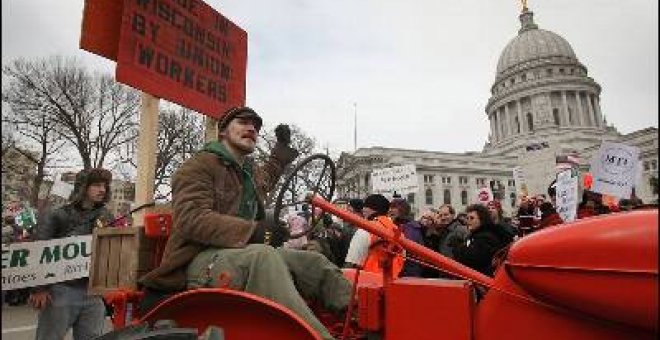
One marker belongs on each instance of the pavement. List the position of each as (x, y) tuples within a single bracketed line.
[(20, 323)]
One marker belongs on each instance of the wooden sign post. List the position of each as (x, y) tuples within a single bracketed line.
[(146, 154)]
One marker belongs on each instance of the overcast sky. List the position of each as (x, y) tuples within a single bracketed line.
[(419, 71)]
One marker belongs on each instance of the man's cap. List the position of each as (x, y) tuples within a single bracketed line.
[(378, 203), (240, 112)]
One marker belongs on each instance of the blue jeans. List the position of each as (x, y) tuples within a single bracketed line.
[(71, 307)]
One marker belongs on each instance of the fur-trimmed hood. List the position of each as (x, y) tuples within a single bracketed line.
[(84, 179)]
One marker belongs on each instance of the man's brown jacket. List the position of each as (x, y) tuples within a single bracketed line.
[(206, 194)]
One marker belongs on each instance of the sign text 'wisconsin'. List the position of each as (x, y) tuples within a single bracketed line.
[(185, 52)]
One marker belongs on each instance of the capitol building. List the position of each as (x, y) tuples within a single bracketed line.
[(543, 104)]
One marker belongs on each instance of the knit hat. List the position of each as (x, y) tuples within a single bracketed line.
[(356, 203), (378, 203), (239, 112)]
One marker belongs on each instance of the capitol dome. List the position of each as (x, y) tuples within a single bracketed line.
[(541, 91), (532, 45)]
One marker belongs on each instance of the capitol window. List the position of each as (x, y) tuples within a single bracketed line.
[(561, 71), (524, 77), (429, 196), (464, 197), (446, 180), (646, 166), (447, 196), (462, 180), (653, 165), (428, 178)]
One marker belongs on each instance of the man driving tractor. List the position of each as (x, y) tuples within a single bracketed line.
[(217, 228)]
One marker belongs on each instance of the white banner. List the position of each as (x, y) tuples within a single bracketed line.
[(30, 264), (567, 194), (402, 179), (614, 169)]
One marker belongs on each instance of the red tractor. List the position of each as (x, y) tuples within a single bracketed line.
[(595, 278)]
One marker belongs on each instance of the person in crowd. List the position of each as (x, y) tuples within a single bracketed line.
[(549, 216), (217, 198), (462, 219), (363, 252), (485, 240), (400, 213), (67, 304), (445, 233), (552, 192), (497, 214), (12, 233), (297, 224), (591, 205), (347, 231), (525, 216)]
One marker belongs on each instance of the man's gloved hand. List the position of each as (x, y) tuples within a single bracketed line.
[(283, 134)]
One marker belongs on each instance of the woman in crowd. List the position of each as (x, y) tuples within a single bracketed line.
[(497, 214), (486, 238), (549, 216)]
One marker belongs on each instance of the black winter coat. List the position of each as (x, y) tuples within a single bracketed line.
[(477, 253)]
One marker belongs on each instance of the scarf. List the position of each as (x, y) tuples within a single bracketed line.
[(250, 207)]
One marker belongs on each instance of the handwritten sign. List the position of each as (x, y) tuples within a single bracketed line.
[(183, 51), (402, 179), (567, 194), (614, 169), (30, 264)]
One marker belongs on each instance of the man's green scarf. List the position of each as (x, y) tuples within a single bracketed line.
[(250, 207)]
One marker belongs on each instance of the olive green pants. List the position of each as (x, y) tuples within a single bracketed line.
[(285, 276)]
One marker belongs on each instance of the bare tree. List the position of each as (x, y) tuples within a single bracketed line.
[(39, 142), (92, 112), (180, 134), (300, 141)]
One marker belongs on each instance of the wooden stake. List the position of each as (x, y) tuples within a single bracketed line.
[(210, 130), (146, 155)]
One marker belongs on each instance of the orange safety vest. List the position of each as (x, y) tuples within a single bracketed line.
[(377, 254)]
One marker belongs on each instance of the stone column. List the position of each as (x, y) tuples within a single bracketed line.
[(498, 124), (599, 115), (493, 133), (507, 114), (520, 115), (592, 113), (565, 104), (580, 112)]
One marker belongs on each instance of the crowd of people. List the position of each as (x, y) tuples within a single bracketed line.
[(477, 237), (218, 231)]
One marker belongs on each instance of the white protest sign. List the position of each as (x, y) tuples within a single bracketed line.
[(30, 264), (402, 179), (614, 169), (484, 195), (519, 179), (567, 194)]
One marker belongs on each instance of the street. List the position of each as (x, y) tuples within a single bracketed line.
[(20, 323)]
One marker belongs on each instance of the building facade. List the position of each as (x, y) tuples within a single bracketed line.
[(543, 104)]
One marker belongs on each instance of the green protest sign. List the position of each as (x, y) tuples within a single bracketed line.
[(30, 264)]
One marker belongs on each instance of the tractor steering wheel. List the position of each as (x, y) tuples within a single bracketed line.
[(315, 174)]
